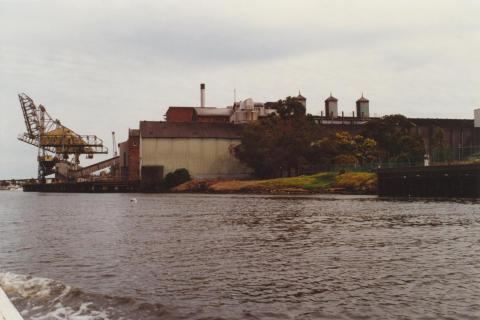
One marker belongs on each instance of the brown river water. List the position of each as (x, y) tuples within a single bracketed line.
[(193, 256)]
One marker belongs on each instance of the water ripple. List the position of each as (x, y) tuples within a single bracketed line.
[(242, 257)]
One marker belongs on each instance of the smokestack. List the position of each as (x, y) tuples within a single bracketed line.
[(202, 95)]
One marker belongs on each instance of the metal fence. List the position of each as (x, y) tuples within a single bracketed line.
[(439, 156), (447, 155), (369, 167)]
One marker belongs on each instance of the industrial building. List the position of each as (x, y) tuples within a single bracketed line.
[(459, 134), (129, 154), (200, 139), (205, 149)]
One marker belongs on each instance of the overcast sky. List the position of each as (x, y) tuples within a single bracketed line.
[(101, 66)]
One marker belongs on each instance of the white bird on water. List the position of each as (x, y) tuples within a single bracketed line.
[(133, 200)]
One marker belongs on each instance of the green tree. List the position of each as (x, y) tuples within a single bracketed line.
[(438, 148), (438, 138), (342, 148), (278, 144), (396, 140), (366, 149), (290, 109)]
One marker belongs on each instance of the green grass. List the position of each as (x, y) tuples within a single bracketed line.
[(323, 180), (363, 182), (317, 181)]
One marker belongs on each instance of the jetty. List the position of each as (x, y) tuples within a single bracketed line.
[(98, 186), (447, 181)]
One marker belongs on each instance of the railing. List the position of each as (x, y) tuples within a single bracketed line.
[(7, 310), (368, 167)]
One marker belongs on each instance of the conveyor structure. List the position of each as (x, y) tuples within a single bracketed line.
[(58, 146)]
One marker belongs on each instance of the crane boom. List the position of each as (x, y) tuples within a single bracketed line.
[(51, 137), (30, 114)]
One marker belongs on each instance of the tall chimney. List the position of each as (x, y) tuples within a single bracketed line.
[(202, 95)]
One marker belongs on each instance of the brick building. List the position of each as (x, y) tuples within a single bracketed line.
[(196, 114), (130, 156)]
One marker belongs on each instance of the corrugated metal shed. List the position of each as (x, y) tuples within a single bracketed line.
[(160, 129)]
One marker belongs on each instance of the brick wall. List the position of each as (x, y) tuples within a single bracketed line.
[(180, 114), (215, 119), (133, 158)]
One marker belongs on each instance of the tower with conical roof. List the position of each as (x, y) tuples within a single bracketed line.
[(331, 107), (301, 99), (363, 106)]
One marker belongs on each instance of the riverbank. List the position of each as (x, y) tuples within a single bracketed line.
[(323, 182)]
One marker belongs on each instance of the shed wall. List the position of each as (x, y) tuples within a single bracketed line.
[(202, 157)]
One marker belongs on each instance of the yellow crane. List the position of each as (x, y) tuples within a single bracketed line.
[(55, 142)]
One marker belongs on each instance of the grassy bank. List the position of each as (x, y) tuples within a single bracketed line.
[(323, 182)]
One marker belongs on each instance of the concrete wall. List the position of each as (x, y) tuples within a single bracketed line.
[(202, 157)]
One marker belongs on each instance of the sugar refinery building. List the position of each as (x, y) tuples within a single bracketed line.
[(201, 139)]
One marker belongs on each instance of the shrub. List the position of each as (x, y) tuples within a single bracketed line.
[(357, 181), (346, 160), (177, 177)]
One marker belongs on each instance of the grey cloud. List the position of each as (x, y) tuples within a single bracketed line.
[(160, 34)]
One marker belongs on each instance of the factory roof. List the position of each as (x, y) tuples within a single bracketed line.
[(161, 129), (176, 107)]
